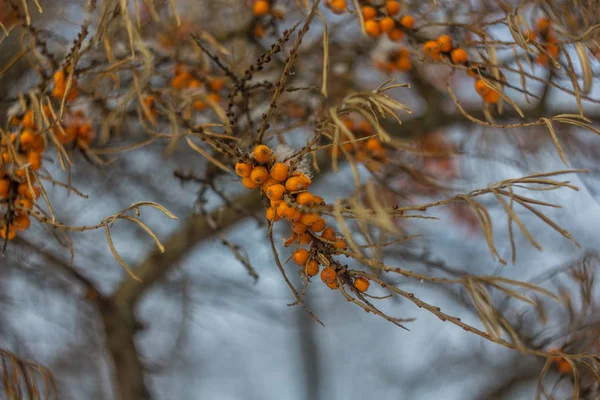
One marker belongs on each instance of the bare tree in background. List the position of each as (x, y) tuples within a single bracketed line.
[(274, 95)]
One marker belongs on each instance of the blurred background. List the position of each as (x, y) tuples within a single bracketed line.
[(206, 329)]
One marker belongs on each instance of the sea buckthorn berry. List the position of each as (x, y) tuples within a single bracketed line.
[(214, 97), (26, 139), (272, 215), (305, 238), (295, 183), (179, 81), (261, 7), (309, 219), (216, 84), (262, 153), (24, 203), (395, 35), (404, 64), (59, 77), (282, 209), (444, 43), (492, 97), (387, 24), (259, 174), (430, 48), (4, 188), (307, 181), (372, 28), (243, 169), (279, 172), (319, 201), (296, 216), (199, 105), (28, 121), (392, 7), (301, 257), (339, 6), (481, 88), (275, 192), (22, 222), (361, 284), (290, 241), (268, 183), (259, 31), (8, 232), (275, 203), (318, 225), (299, 227), (34, 159), (194, 84), (553, 50), (249, 183), (329, 234), (305, 199), (459, 56), (332, 285), (368, 13), (25, 191), (312, 268), (339, 244), (373, 144), (407, 21), (328, 275), (543, 25)]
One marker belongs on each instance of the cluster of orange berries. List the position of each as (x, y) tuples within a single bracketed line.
[(487, 94), (562, 364), (396, 60), (289, 199), (443, 46), (77, 129), (546, 34), (60, 86), (379, 20), (371, 152), (261, 10), (184, 79)]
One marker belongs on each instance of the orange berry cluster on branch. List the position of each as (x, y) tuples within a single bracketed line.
[(443, 46), (544, 30), (289, 199), (396, 60), (184, 79), (379, 20), (487, 94)]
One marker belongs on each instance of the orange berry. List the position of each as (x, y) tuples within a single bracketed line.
[(275, 203), (339, 244), (298, 227), (272, 215), (216, 84), (338, 6), (392, 7), (200, 105), (318, 225), (407, 21), (261, 7), (282, 209), (25, 191), (305, 199), (249, 183), (259, 174), (543, 25), (289, 241), (361, 284), (4, 188), (553, 50), (309, 219), (332, 285), (259, 31), (279, 172), (459, 56), (492, 97), (301, 257), (59, 77), (22, 222), (430, 48), (304, 238), (481, 88), (8, 232), (28, 121), (24, 203), (329, 234), (372, 28), (295, 183), (243, 169), (328, 275), (194, 84), (373, 144), (312, 268), (319, 201), (34, 159), (262, 153), (26, 139), (387, 24), (180, 80), (404, 64), (307, 181), (275, 192), (214, 97), (368, 13), (295, 216), (268, 183), (444, 43), (396, 35)]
